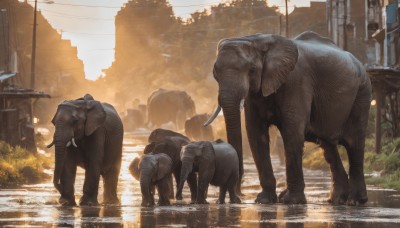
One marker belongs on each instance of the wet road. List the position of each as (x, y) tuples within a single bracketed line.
[(36, 205)]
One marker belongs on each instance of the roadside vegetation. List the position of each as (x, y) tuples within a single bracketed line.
[(385, 164), (19, 166)]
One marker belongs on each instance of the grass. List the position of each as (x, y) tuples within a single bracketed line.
[(19, 166)]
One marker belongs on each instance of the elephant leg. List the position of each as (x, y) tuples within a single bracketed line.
[(233, 196), (192, 182), (177, 174), (67, 180), (163, 189), (354, 142), (171, 185), (222, 194), (258, 137), (202, 189), (91, 186), (293, 139), (95, 145), (358, 189), (110, 183), (339, 179)]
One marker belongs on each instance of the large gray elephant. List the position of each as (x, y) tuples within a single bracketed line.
[(169, 106), (87, 133), (215, 163), (312, 91)]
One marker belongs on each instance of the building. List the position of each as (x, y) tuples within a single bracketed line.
[(16, 119)]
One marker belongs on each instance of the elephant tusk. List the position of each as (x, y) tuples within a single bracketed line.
[(241, 105), (212, 118), (51, 144), (73, 142), (68, 144)]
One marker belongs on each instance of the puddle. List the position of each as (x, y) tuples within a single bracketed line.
[(36, 205)]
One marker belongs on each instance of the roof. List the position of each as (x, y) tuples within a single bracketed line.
[(6, 76)]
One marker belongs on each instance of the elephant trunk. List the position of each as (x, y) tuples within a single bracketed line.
[(231, 110), (145, 187), (61, 140), (186, 169)]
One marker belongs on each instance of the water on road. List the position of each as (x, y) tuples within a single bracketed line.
[(36, 205)]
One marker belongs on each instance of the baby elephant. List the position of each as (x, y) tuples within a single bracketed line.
[(216, 163), (153, 170)]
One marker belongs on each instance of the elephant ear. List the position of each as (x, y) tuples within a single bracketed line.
[(207, 151), (134, 168), (164, 166), (95, 116), (280, 58)]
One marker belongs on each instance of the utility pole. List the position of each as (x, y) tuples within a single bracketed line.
[(345, 25), (33, 55), (287, 19)]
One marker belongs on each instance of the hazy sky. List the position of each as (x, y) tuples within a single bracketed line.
[(89, 24)]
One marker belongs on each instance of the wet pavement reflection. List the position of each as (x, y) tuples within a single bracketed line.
[(36, 205)]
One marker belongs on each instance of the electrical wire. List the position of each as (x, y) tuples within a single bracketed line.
[(75, 16), (118, 7)]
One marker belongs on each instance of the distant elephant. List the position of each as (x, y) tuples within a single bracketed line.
[(169, 106), (195, 129), (216, 163), (312, 91), (133, 119), (170, 143), (154, 170), (87, 133)]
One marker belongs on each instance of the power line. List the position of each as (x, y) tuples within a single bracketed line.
[(58, 14), (93, 34), (118, 7)]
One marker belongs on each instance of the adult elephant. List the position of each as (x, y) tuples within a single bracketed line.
[(312, 91), (87, 133), (169, 106)]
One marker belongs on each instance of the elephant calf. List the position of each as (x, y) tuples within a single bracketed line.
[(153, 170), (216, 163)]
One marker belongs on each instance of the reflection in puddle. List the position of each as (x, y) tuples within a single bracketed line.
[(36, 205)]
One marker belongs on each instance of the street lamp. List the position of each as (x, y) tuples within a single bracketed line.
[(33, 56)]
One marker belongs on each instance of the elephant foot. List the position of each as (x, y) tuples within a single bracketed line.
[(235, 200), (66, 202), (266, 197), (112, 201), (147, 204), (358, 196), (338, 195), (164, 203), (202, 201), (86, 201), (220, 201), (288, 197)]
